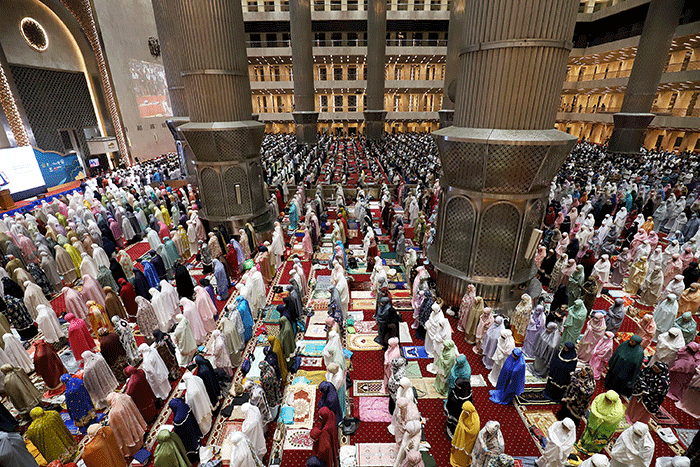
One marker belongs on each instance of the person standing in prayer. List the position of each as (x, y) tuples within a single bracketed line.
[(668, 346), (578, 394), (78, 402), (683, 370), (50, 435), (574, 322), (665, 313), (561, 369), (546, 345), (511, 380), (633, 448), (521, 319), (170, 452), (534, 328), (49, 366), (649, 393), (625, 366), (23, 395), (486, 319), (561, 437), (443, 365), (102, 450), (489, 444), (140, 391), (595, 330), (688, 326), (607, 411), (465, 436), (126, 422), (647, 330), (615, 316)]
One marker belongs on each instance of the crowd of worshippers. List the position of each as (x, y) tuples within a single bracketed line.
[(408, 157), (605, 225), (78, 248)]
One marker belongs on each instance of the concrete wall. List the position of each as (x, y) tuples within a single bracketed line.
[(126, 27), (62, 53)]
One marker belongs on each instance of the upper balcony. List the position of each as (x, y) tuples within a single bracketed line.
[(348, 10)]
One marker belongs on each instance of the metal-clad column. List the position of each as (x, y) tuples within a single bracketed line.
[(222, 134), (500, 155), (167, 23), (455, 37), (635, 114), (376, 68), (305, 115)]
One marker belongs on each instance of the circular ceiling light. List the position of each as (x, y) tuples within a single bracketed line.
[(34, 34)]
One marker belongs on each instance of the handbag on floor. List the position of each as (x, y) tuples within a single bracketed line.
[(349, 425)]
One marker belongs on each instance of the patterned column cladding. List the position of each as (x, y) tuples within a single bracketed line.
[(223, 137), (501, 155), (170, 47), (82, 11), (9, 106)]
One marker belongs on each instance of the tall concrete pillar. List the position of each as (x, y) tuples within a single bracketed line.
[(501, 154), (455, 38), (222, 134), (305, 115), (167, 23), (635, 114), (375, 115)]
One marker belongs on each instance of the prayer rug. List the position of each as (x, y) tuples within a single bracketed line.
[(532, 379), (315, 331), (375, 409), (366, 327), (665, 418), (401, 304), (304, 402), (400, 294), (314, 378), (404, 333), (322, 282), (229, 427), (272, 316), (319, 317), (426, 389), (298, 439), (279, 297), (541, 418), (312, 362), (362, 342), (371, 387), (478, 381), (358, 294), (258, 356), (321, 294), (383, 248), (319, 304), (533, 397), (413, 371), (685, 436), (376, 454), (364, 304), (311, 348), (360, 269), (413, 352)]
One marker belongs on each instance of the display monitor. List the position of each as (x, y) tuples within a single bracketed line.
[(20, 173), (94, 162)]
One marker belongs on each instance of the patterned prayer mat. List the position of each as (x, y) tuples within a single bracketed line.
[(358, 294), (533, 397), (413, 371), (311, 362), (299, 439), (383, 248), (364, 304), (413, 352), (400, 294), (304, 403), (402, 304), (321, 294), (532, 379), (541, 418), (685, 436), (229, 427), (311, 348), (315, 331), (319, 304), (370, 387), (314, 377), (366, 327), (426, 389), (362, 342), (665, 418), (272, 316), (376, 454), (374, 409)]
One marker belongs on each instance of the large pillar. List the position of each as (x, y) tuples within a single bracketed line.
[(635, 114), (501, 154), (222, 134), (167, 22), (455, 37), (376, 68), (305, 115)]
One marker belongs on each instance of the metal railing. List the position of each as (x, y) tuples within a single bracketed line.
[(349, 5), (352, 43), (266, 77), (682, 66), (662, 111), (670, 68)]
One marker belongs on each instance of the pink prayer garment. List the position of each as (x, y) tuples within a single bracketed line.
[(205, 308), (394, 351), (601, 354), (595, 330), (92, 290), (75, 304), (117, 232), (79, 337), (307, 245), (163, 230)]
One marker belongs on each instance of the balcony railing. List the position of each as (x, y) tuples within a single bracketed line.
[(352, 43), (662, 111), (602, 75), (349, 5), (682, 66), (271, 77)]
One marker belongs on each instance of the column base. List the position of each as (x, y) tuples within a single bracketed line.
[(629, 132), (374, 124), (306, 126)]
